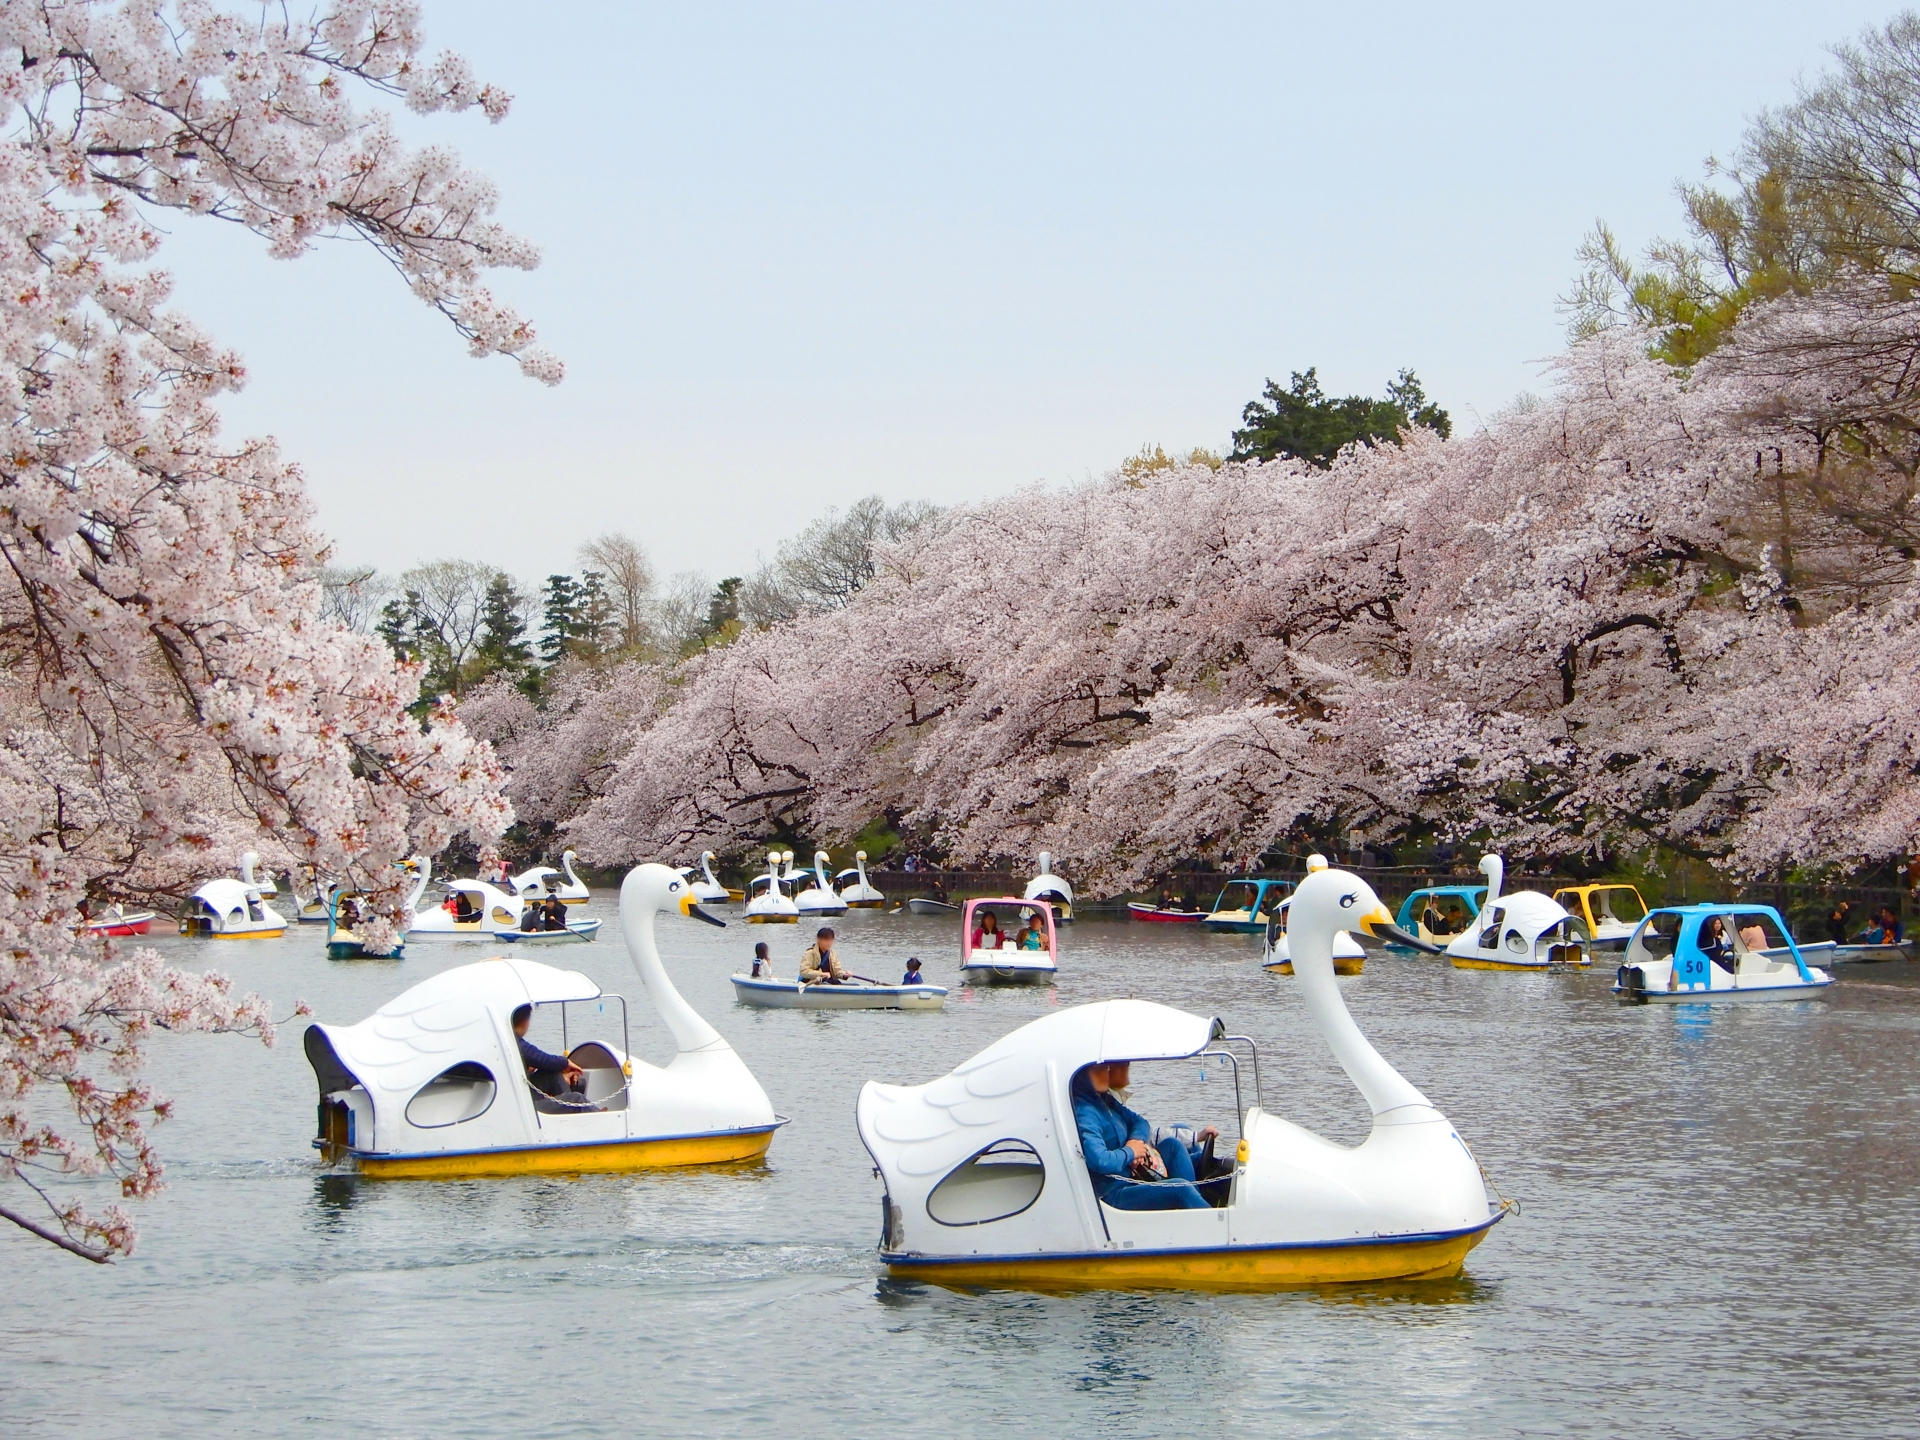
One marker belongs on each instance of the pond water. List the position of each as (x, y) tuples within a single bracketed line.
[(1719, 1227)]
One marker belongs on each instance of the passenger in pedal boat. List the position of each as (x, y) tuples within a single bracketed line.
[(461, 907), (1128, 1172), (986, 935), (554, 1076), (818, 966), (1714, 944), (1031, 936)]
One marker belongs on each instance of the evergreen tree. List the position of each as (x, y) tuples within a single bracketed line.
[(559, 617), (1301, 421), (502, 632)]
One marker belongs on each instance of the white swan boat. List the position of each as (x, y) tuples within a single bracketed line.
[(820, 898), (706, 888), (228, 909), (252, 876), (1348, 956), (432, 1085), (767, 903), (1673, 959), (1051, 888), (859, 892), (471, 910), (543, 882), (1521, 931), (986, 1185), (771, 994), (993, 958)]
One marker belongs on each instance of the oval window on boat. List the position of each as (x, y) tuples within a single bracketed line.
[(1516, 942), (462, 1093), (994, 1184)]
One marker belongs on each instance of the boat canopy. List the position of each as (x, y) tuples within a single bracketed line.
[(1468, 895), (231, 899), (459, 1016)]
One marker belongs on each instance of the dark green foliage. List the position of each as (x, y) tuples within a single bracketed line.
[(1303, 423), (503, 644)]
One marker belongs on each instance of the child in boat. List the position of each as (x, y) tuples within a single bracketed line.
[(1031, 936), (913, 976), (762, 962)]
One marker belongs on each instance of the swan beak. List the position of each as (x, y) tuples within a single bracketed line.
[(1378, 922), (690, 907)]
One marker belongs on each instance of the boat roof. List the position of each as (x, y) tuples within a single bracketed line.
[(1464, 891), (1716, 907), (1598, 885), (446, 1019), (1103, 1030), (227, 893)]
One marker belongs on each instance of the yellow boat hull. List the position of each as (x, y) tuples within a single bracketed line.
[(773, 919), (248, 934), (1253, 1268), (610, 1157), (1342, 965)]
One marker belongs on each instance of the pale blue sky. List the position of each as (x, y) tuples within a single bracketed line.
[(795, 256)]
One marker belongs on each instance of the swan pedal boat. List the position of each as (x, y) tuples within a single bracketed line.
[(1664, 963), (542, 882), (859, 892), (986, 1186), (227, 909), (431, 1085), (819, 898), (1139, 911), (1243, 907), (707, 889), (1005, 965), (118, 922), (1349, 958), (767, 903), (489, 910), (858, 995), (1521, 931), (1052, 888)]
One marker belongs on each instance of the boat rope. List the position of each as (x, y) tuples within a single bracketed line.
[(1506, 1206)]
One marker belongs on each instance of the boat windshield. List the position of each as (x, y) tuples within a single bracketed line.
[(1238, 895), (1618, 902), (1442, 915), (1757, 931), (1656, 939)]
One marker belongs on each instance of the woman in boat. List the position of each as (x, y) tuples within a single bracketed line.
[(1713, 943), (1128, 1172), (986, 935), (762, 962)]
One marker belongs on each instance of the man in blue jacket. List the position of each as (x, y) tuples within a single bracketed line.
[(1115, 1140), (553, 1075)]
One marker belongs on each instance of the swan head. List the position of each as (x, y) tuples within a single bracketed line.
[(661, 890), (819, 857), (860, 855), (1329, 901)]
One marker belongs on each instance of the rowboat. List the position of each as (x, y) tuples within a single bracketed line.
[(576, 932), (117, 922), (922, 906), (854, 995), (1163, 916)]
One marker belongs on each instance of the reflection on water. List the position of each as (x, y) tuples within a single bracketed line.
[(1711, 1195)]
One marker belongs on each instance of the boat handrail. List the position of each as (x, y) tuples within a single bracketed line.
[(626, 1037), (1259, 1095), (1239, 1104)]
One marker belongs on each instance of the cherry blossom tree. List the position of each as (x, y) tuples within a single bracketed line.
[(170, 680)]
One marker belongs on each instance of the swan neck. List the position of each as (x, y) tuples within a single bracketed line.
[(690, 1030), (1383, 1087), (420, 884)]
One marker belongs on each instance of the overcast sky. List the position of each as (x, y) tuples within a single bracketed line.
[(796, 255)]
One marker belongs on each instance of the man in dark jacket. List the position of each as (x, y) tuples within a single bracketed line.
[(553, 1075), (1118, 1146)]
